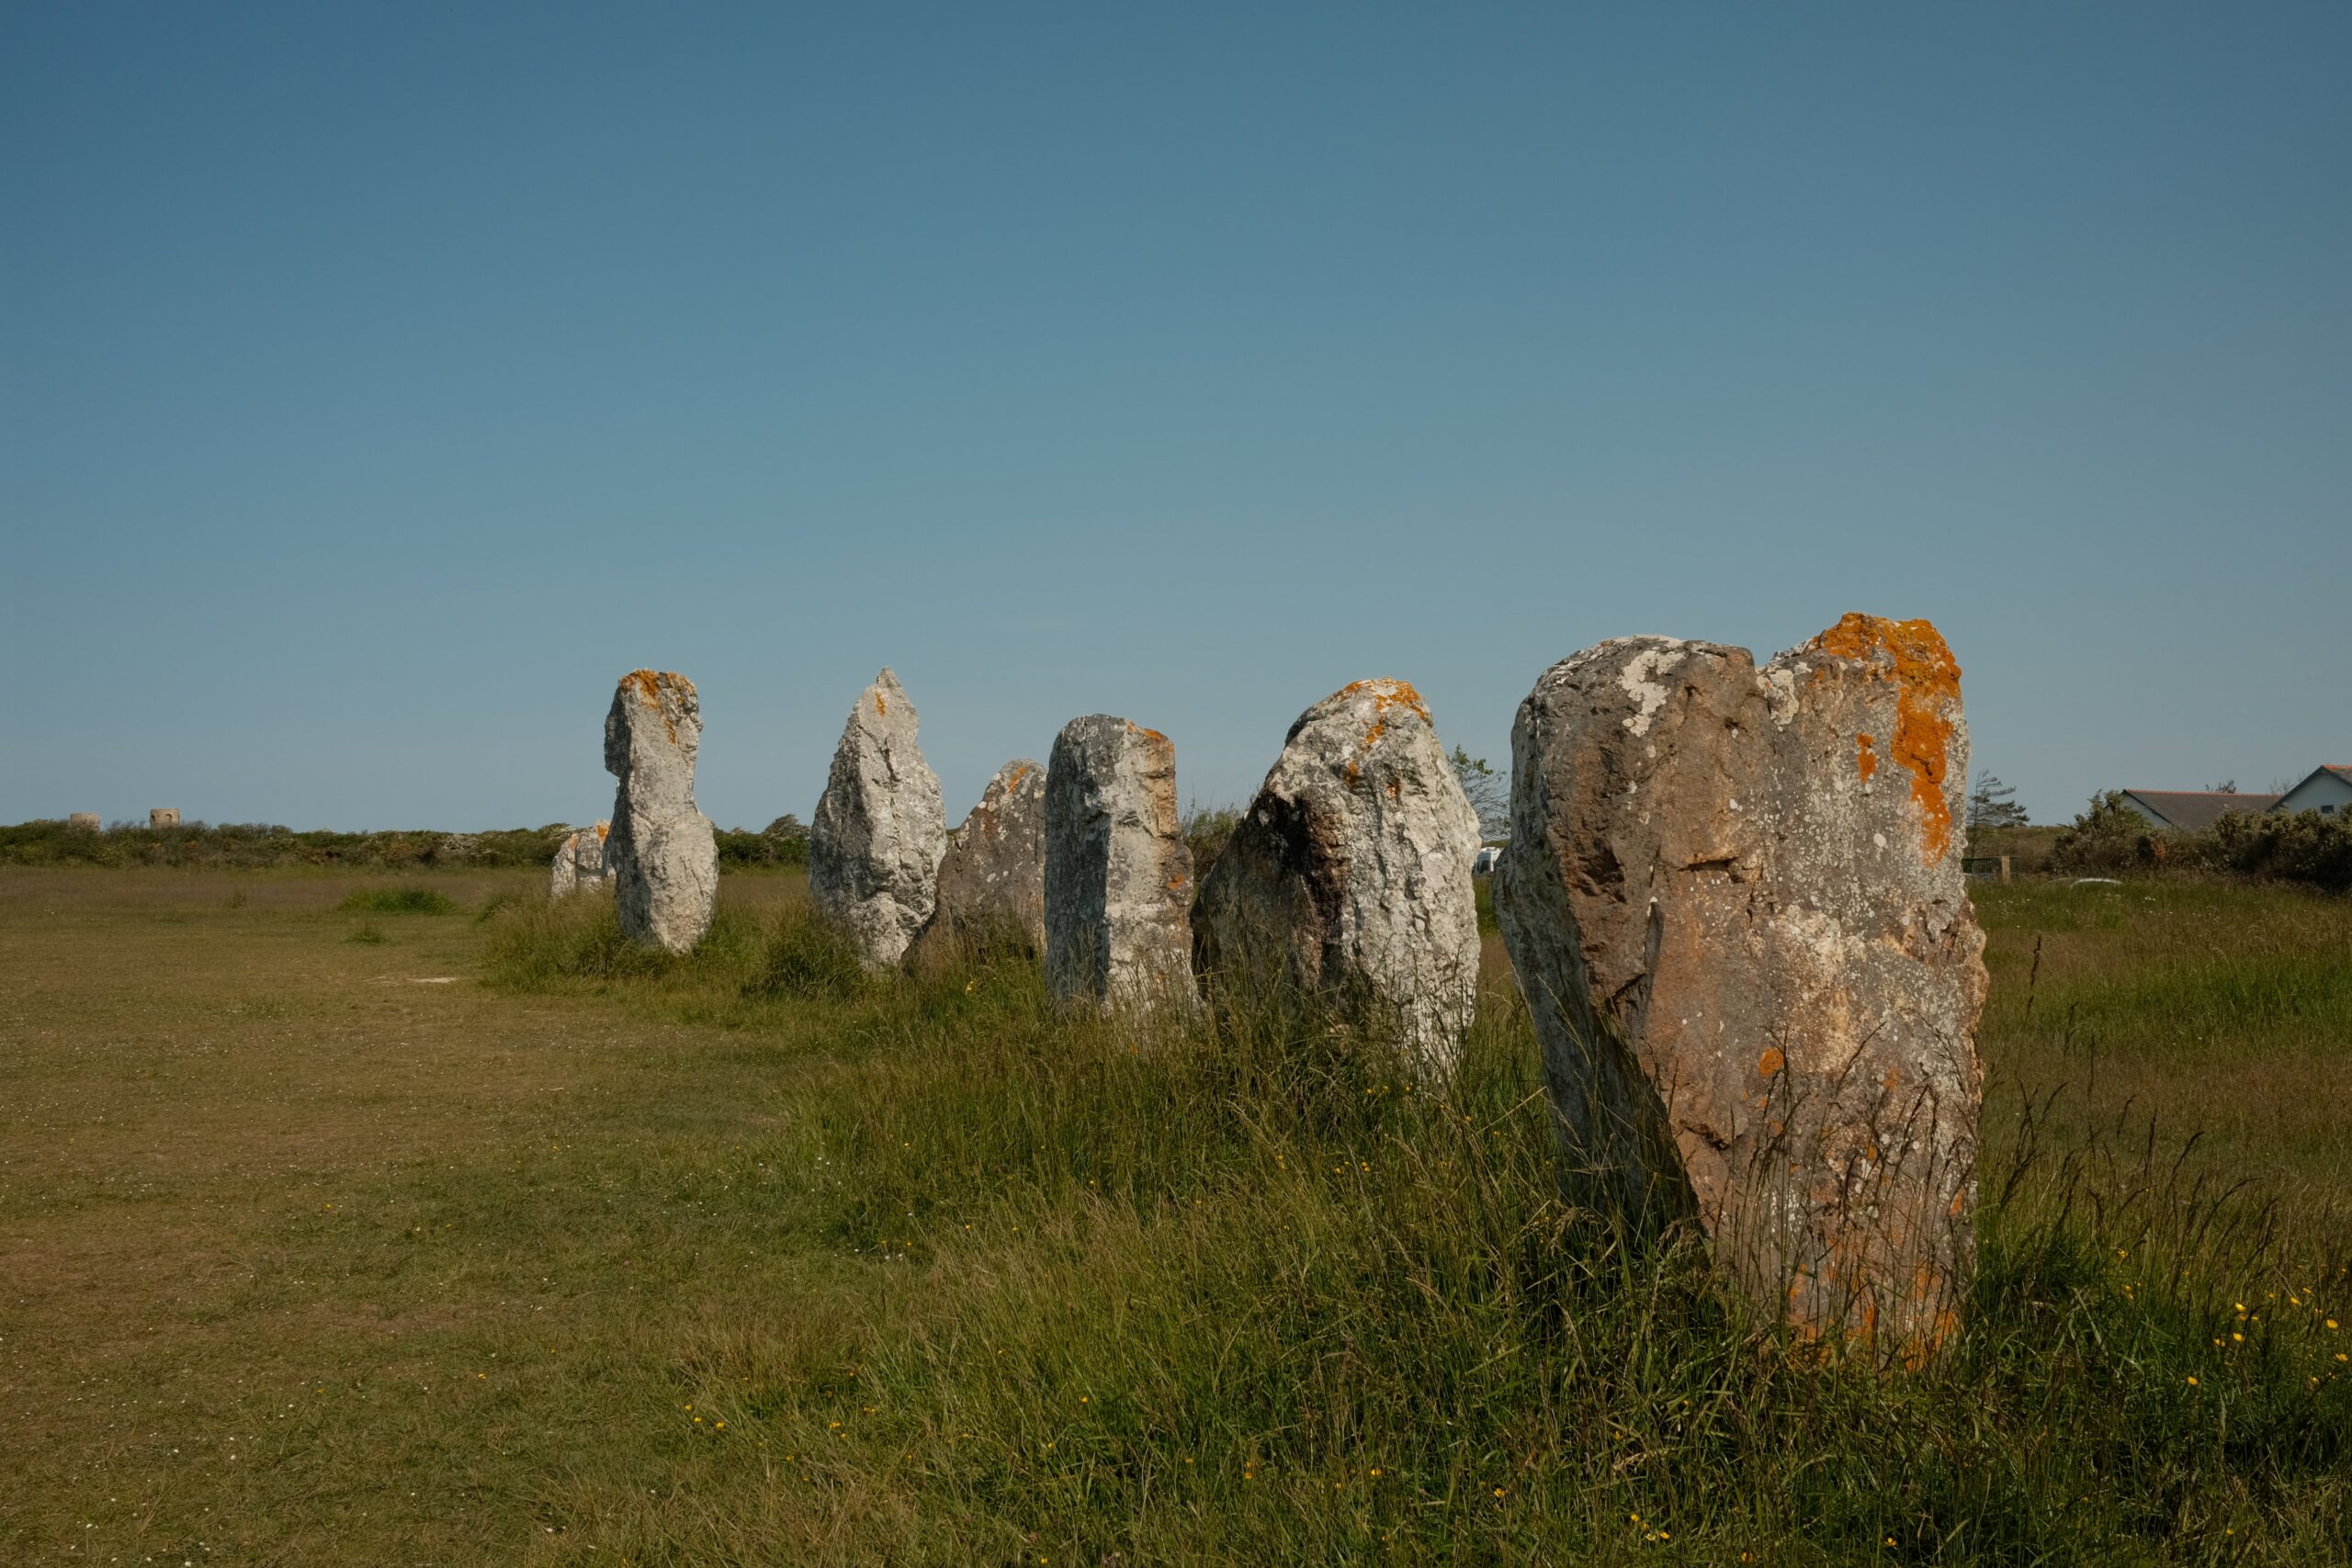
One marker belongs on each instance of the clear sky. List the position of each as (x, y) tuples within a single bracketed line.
[(379, 383)]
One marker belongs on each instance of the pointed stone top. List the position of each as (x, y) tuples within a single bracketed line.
[(1009, 776), (886, 700)]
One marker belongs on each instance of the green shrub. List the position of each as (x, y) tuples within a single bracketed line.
[(739, 850), (1207, 829), (2302, 846), (398, 901), (2109, 838), (255, 845)]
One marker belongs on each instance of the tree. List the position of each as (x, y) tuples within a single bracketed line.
[(1989, 805), (2227, 786), (1487, 791)]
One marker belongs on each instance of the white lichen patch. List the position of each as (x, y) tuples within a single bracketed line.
[(1639, 680)]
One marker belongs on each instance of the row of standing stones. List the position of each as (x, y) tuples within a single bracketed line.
[(1732, 898)]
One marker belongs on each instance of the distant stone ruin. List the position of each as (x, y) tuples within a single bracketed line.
[(881, 829), (85, 819), (1349, 876), (1734, 900), (661, 849), (164, 816), (993, 879), (1118, 876), (580, 864)]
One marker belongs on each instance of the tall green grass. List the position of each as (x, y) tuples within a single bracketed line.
[(411, 900), (1244, 1292)]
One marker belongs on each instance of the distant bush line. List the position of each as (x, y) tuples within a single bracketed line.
[(2111, 839), (260, 845)]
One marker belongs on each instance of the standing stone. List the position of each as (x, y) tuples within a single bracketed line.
[(580, 864), (993, 881), (86, 819), (1118, 876), (661, 849), (164, 816), (1350, 875), (877, 839), (1734, 900)]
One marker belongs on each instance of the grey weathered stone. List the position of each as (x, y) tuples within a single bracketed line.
[(1118, 876), (164, 816), (993, 880), (1734, 899), (661, 849), (875, 842), (580, 864), (1350, 875), (88, 819)]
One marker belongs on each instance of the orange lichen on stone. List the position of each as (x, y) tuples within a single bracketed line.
[(879, 705), (649, 684), (603, 831), (1385, 694), (1926, 693), (1865, 760), (1771, 1062)]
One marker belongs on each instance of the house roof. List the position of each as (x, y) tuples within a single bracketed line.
[(2341, 770), (2194, 810)]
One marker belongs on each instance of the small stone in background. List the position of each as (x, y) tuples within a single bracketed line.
[(993, 880), (580, 864)]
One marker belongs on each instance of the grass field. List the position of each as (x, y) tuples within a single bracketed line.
[(339, 1227)]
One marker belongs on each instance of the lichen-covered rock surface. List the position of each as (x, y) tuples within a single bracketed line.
[(875, 842), (1349, 876), (993, 879), (1118, 875), (662, 853), (580, 863), (1734, 899)]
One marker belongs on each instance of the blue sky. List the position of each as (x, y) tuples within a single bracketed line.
[(378, 383)]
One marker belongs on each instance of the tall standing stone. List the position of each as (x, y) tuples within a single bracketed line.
[(1349, 876), (662, 850), (580, 864), (1734, 899), (1118, 876), (881, 829), (993, 880)]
